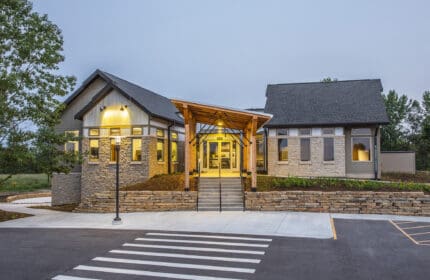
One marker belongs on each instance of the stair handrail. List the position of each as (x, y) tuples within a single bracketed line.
[(198, 186), (219, 179)]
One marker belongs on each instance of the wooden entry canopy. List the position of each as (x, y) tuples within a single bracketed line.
[(247, 121)]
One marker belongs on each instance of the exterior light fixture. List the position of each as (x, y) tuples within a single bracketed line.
[(117, 219), (102, 108), (123, 107), (219, 122)]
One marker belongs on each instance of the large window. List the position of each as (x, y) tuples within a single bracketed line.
[(137, 130), (283, 149), (328, 149), (72, 146), (282, 131), (174, 151), (160, 150), (136, 146), (94, 150), (94, 132), (260, 151), (305, 149), (305, 131), (361, 148), (115, 131)]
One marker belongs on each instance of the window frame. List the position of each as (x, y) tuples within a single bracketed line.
[(172, 154), (132, 149), (370, 149), (324, 159), (76, 141), (300, 132), (161, 160), (279, 140), (136, 127), (279, 134), (310, 152), (90, 159), (94, 129), (112, 144)]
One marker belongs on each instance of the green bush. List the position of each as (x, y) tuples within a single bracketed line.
[(271, 183)]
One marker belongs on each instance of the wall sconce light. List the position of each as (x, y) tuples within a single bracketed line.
[(122, 107), (102, 108)]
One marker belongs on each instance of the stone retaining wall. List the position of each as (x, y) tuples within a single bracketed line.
[(356, 202), (27, 195), (140, 201), (66, 188)]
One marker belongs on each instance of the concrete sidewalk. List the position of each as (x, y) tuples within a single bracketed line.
[(313, 225)]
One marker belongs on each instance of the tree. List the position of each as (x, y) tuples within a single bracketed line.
[(329, 80), (49, 152), (422, 143), (30, 54), (394, 135)]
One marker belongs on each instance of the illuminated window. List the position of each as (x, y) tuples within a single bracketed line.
[(94, 132), (304, 131), (72, 146), (94, 150), (115, 132), (283, 149), (361, 148), (174, 151), (112, 150), (136, 131), (174, 135), (160, 133), (260, 151), (136, 147), (305, 149), (328, 149), (160, 150), (282, 131)]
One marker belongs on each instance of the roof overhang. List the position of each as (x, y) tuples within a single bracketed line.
[(211, 114)]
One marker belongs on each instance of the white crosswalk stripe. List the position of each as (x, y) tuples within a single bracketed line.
[(150, 256)]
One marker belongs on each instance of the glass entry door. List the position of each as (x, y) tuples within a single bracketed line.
[(213, 155), (219, 154)]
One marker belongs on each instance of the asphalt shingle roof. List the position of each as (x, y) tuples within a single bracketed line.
[(153, 103), (326, 103)]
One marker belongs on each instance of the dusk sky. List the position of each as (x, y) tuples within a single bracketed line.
[(226, 52)]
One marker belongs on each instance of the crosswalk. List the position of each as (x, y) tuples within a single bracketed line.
[(161, 255)]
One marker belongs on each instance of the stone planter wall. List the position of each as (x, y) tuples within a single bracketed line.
[(141, 201), (356, 202)]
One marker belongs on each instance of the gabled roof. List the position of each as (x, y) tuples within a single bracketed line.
[(354, 102), (151, 102)]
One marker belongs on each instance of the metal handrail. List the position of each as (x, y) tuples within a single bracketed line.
[(219, 179), (198, 186)]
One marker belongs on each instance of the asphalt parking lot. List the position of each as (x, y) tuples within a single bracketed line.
[(417, 232), (362, 250)]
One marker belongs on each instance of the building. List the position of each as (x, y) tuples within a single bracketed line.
[(327, 129)]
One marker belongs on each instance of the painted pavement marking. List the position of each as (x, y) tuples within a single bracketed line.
[(217, 262), (409, 232), (202, 242)]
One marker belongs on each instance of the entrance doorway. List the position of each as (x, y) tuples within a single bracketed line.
[(219, 156)]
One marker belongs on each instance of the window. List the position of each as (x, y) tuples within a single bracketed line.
[(361, 131), (282, 131), (160, 150), (361, 148), (283, 149), (305, 131), (328, 149), (136, 131), (136, 146), (115, 132), (94, 132), (174, 135), (305, 149), (260, 152), (112, 150), (72, 146), (174, 151), (94, 150), (160, 133), (328, 131)]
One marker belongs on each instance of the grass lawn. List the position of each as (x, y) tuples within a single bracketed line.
[(172, 182), (25, 183), (6, 216), (63, 208), (270, 183)]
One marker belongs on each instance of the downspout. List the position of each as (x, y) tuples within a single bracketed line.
[(266, 148), (375, 153), (169, 149)]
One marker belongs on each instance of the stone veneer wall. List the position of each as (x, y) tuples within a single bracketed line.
[(139, 201), (316, 167), (356, 202), (101, 175), (66, 188)]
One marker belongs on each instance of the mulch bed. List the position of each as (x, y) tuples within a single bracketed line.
[(6, 216), (173, 182)]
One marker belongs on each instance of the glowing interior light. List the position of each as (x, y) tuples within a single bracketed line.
[(114, 116)]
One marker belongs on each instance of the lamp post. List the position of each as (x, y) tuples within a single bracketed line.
[(117, 219)]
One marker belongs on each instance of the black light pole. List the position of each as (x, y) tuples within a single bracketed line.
[(117, 219)]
